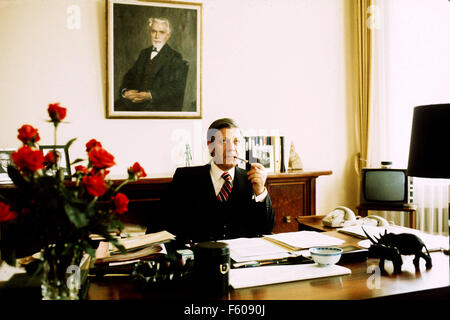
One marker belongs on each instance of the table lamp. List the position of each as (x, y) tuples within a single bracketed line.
[(430, 142)]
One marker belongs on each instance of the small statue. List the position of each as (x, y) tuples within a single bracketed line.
[(188, 155), (295, 163), (391, 246)]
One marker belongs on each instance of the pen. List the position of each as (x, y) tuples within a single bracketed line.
[(248, 166), (285, 261), (246, 161)]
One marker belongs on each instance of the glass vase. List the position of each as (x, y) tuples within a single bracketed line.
[(61, 274)]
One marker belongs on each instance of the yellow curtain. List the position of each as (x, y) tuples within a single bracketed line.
[(362, 32)]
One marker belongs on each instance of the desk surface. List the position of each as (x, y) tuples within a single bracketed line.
[(362, 283)]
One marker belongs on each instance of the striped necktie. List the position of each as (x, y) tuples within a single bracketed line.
[(225, 192)]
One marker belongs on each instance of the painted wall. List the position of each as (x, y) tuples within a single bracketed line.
[(276, 66)]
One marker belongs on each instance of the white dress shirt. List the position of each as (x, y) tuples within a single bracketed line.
[(218, 181)]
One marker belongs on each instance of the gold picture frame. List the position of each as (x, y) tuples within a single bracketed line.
[(171, 80)]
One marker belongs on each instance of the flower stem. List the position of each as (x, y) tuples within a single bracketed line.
[(121, 185)]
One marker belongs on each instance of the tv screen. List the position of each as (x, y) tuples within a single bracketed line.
[(388, 186)]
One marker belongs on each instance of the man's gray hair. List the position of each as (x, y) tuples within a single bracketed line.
[(160, 20)]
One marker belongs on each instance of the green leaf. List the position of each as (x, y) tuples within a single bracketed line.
[(77, 217), (16, 177), (77, 161), (68, 144)]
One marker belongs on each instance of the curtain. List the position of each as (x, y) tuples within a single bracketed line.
[(360, 39), (361, 25), (432, 199)]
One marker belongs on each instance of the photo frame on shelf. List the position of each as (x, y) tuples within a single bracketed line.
[(5, 160), (147, 84), (64, 160)]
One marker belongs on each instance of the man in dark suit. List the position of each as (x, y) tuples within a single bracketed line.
[(157, 80), (201, 206)]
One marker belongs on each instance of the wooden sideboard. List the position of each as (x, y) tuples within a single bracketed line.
[(293, 194)]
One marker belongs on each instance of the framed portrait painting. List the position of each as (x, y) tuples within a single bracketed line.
[(63, 160), (5, 161), (154, 59)]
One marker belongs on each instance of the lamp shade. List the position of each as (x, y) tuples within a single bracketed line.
[(430, 142)]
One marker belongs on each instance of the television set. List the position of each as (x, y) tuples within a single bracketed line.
[(385, 186)]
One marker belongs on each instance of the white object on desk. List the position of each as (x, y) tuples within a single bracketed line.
[(7, 271), (432, 242), (259, 276), (299, 240)]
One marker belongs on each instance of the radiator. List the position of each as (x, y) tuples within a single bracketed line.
[(432, 199)]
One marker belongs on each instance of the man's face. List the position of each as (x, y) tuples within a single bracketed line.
[(225, 147), (159, 34)]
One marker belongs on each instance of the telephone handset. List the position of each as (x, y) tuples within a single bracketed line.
[(338, 217), (344, 217)]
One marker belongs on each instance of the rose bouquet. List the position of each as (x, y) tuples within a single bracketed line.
[(57, 217)]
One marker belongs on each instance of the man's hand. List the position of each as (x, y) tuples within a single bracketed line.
[(137, 96), (257, 176)]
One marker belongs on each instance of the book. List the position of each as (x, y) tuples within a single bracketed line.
[(142, 241), (267, 150), (103, 254)]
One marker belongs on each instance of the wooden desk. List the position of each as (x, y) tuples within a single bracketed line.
[(312, 223), (362, 283)]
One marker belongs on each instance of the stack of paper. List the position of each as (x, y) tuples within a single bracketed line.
[(138, 247), (251, 277), (432, 242), (278, 246), (296, 241)]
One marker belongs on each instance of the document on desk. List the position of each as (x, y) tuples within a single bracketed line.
[(278, 246), (259, 276), (295, 241), (432, 242), (255, 249)]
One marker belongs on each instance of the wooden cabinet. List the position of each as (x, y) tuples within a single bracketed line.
[(293, 194)]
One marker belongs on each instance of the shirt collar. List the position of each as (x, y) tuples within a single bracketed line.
[(216, 172)]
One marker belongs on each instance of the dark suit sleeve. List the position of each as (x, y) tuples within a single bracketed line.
[(132, 79), (262, 217), (176, 219)]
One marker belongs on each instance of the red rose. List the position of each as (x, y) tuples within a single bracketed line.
[(56, 112), (5, 213), (121, 203), (137, 170), (81, 169), (95, 185), (28, 159), (50, 158), (91, 144), (100, 158), (28, 134)]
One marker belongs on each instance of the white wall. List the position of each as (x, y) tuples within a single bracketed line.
[(276, 66), (417, 53)]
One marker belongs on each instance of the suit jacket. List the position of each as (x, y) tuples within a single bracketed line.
[(164, 76), (195, 214)]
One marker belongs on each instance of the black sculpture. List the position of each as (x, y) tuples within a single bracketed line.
[(390, 246)]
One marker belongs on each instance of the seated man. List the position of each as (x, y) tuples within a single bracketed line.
[(203, 206)]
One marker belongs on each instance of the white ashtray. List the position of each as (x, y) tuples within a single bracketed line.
[(325, 255)]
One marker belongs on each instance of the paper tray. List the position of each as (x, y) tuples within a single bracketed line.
[(259, 276)]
